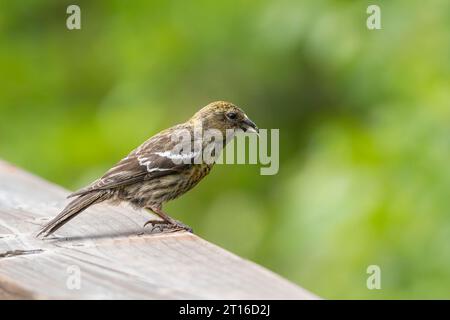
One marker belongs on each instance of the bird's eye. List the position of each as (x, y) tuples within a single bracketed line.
[(231, 115)]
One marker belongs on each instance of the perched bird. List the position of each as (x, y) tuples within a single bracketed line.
[(161, 169)]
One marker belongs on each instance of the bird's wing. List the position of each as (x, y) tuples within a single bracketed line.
[(154, 158)]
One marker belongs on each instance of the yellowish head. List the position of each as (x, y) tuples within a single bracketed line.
[(224, 115)]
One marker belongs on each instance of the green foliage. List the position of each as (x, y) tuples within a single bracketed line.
[(363, 117)]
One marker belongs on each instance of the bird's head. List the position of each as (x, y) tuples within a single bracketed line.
[(223, 116)]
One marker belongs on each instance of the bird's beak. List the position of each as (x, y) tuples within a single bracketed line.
[(249, 126)]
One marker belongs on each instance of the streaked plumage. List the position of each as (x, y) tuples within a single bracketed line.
[(153, 174)]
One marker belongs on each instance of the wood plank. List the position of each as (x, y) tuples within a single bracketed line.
[(113, 260)]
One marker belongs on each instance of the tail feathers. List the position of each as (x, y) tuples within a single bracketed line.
[(75, 207)]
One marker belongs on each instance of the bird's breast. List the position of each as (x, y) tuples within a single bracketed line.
[(165, 188)]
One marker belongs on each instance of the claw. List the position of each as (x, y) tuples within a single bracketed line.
[(183, 226), (157, 225), (164, 226), (154, 222)]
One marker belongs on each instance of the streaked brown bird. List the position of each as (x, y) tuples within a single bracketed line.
[(161, 169)]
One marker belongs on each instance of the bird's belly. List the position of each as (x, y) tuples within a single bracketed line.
[(163, 189)]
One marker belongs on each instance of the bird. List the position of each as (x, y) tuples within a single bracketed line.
[(164, 167)]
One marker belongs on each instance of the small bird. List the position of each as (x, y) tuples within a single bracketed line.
[(155, 173)]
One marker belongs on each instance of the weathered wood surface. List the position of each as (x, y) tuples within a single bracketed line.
[(114, 261)]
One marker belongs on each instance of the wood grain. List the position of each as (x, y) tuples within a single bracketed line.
[(114, 261)]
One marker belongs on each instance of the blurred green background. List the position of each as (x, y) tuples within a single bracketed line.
[(364, 119)]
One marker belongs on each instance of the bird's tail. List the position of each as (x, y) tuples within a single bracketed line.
[(75, 207)]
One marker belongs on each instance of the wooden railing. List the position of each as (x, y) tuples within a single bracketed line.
[(101, 255)]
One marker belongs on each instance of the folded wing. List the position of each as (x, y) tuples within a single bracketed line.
[(154, 158)]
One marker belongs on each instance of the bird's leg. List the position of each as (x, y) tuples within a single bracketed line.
[(168, 220)]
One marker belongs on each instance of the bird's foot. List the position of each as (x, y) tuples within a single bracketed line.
[(181, 226), (160, 226), (157, 225)]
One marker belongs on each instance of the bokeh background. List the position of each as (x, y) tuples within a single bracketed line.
[(364, 119)]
